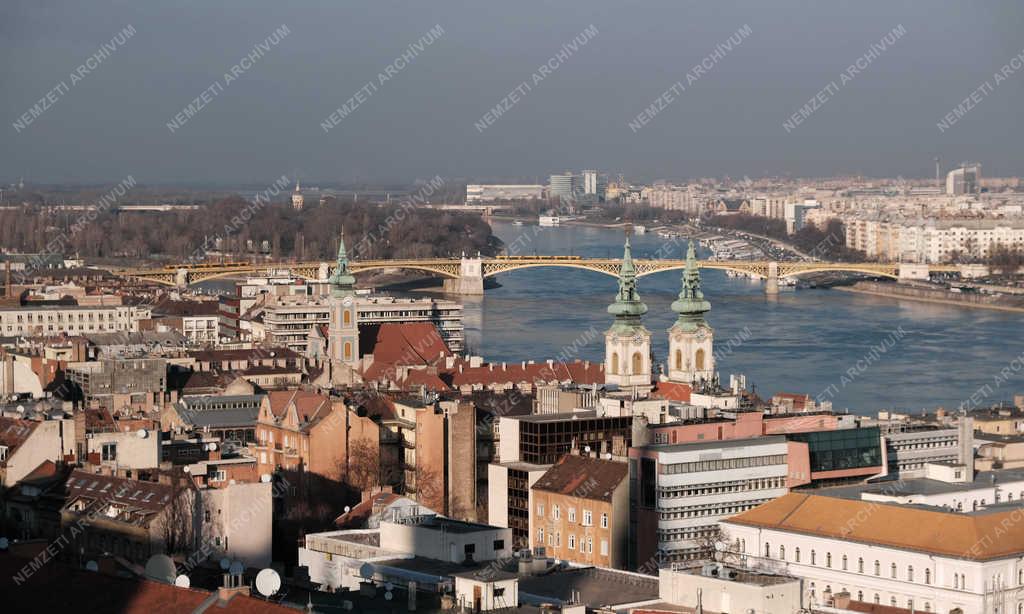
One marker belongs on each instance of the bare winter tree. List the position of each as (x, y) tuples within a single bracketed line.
[(180, 521)]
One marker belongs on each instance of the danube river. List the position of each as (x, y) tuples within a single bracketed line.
[(864, 353)]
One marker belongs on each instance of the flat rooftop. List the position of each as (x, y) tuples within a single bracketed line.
[(716, 444), (596, 586), (924, 486)]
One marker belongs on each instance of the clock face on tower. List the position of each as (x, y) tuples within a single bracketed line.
[(347, 301), (701, 333), (638, 339)]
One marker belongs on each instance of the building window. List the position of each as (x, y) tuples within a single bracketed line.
[(540, 510), (572, 514), (615, 363), (860, 565), (679, 360), (767, 550), (878, 599), (699, 359), (348, 350), (878, 568), (797, 557), (860, 596), (782, 553), (556, 513), (927, 576), (814, 557), (844, 562), (540, 536), (109, 452), (910, 573), (572, 541), (346, 317), (638, 363), (892, 570), (828, 560), (604, 521), (588, 518), (499, 544), (604, 547)]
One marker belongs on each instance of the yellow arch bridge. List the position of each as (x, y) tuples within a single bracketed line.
[(466, 275)]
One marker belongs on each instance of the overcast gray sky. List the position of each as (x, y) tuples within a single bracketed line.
[(420, 122)]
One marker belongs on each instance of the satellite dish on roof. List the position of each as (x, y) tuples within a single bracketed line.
[(161, 568), (182, 581), (92, 566), (268, 582), (236, 568), (142, 433), (20, 409), (225, 563)]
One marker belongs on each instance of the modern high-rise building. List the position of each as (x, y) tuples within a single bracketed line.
[(964, 180), (564, 186)]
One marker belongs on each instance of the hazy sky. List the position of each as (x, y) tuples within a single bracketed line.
[(421, 121)]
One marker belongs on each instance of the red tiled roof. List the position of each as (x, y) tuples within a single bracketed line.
[(308, 405), (577, 372), (401, 344), (583, 477), (416, 378), (672, 391), (14, 432), (356, 517)]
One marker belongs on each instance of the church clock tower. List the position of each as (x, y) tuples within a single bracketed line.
[(343, 331), (627, 344), (691, 356)]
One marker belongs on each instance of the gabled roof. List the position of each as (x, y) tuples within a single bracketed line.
[(14, 432), (578, 372), (974, 537), (395, 344), (309, 406), (583, 477), (139, 501)]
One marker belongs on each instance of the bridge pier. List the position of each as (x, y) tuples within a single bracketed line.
[(470, 281), (771, 283)]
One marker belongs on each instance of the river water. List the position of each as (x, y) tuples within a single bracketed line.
[(864, 353)]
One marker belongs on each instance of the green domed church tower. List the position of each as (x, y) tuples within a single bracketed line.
[(343, 331), (691, 340), (627, 344)]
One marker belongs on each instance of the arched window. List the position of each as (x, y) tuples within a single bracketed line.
[(814, 556), (860, 565), (956, 580), (767, 550), (615, 363), (638, 363), (844, 562), (927, 576), (892, 601), (860, 595), (892, 570), (828, 560), (797, 553), (878, 598), (346, 317), (679, 360), (910, 573), (782, 553), (878, 568), (699, 359), (348, 350)]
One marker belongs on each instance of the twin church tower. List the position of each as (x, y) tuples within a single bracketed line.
[(628, 359)]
